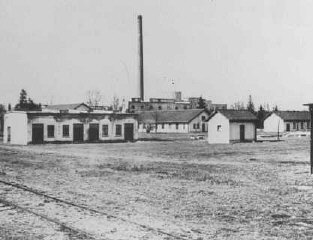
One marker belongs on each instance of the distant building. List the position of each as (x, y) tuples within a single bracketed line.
[(76, 107), (36, 127), (225, 126), (173, 121), (287, 121), (175, 103)]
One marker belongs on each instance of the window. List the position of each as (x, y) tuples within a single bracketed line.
[(66, 130), (198, 125), (176, 108), (203, 118), (219, 128), (194, 126), (302, 125), (162, 125), (105, 130), (160, 107), (118, 130), (50, 131), (185, 107), (177, 125), (294, 125), (133, 107), (142, 107)]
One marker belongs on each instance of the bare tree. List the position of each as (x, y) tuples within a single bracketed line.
[(93, 98), (250, 105), (238, 106), (115, 103)]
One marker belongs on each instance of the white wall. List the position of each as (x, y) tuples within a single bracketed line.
[(58, 128), (171, 128), (273, 123), (18, 123), (235, 131), (218, 134)]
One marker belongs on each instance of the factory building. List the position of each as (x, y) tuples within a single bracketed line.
[(175, 103)]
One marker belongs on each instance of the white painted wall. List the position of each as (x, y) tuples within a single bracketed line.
[(171, 128), (18, 123), (218, 134), (273, 123), (235, 131), (21, 127)]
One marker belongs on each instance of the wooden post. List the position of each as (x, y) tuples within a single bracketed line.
[(311, 137), (311, 155)]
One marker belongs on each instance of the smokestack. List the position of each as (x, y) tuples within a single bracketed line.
[(140, 46)]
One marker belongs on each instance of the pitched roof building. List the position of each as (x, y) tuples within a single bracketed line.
[(181, 121), (286, 121), (225, 126), (68, 107)]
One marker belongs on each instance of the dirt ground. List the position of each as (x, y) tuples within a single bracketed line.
[(179, 189)]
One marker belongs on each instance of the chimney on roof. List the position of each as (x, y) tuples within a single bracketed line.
[(140, 51)]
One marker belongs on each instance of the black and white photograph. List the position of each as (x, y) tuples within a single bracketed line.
[(156, 120)]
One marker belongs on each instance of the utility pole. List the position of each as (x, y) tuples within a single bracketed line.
[(310, 105)]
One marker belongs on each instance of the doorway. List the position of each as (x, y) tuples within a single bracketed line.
[(78, 132), (93, 132), (242, 133), (129, 132), (9, 134), (37, 133), (288, 127)]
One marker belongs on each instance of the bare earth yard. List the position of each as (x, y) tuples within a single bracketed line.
[(157, 190)]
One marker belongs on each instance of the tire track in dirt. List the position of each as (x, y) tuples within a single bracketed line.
[(84, 212), (74, 232)]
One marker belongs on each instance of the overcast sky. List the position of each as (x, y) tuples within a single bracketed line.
[(223, 50)]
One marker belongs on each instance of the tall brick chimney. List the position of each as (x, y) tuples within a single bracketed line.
[(140, 51)]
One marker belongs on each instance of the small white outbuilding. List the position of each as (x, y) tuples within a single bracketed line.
[(225, 126)]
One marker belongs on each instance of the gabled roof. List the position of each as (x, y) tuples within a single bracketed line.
[(236, 115), (171, 116), (72, 106), (293, 115)]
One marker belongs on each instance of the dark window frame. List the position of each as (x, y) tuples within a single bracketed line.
[(66, 130), (105, 130), (118, 130), (50, 131)]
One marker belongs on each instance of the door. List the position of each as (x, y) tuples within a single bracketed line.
[(242, 133), (129, 132), (288, 127), (9, 134), (37, 133), (78, 132), (93, 132), (203, 127)]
